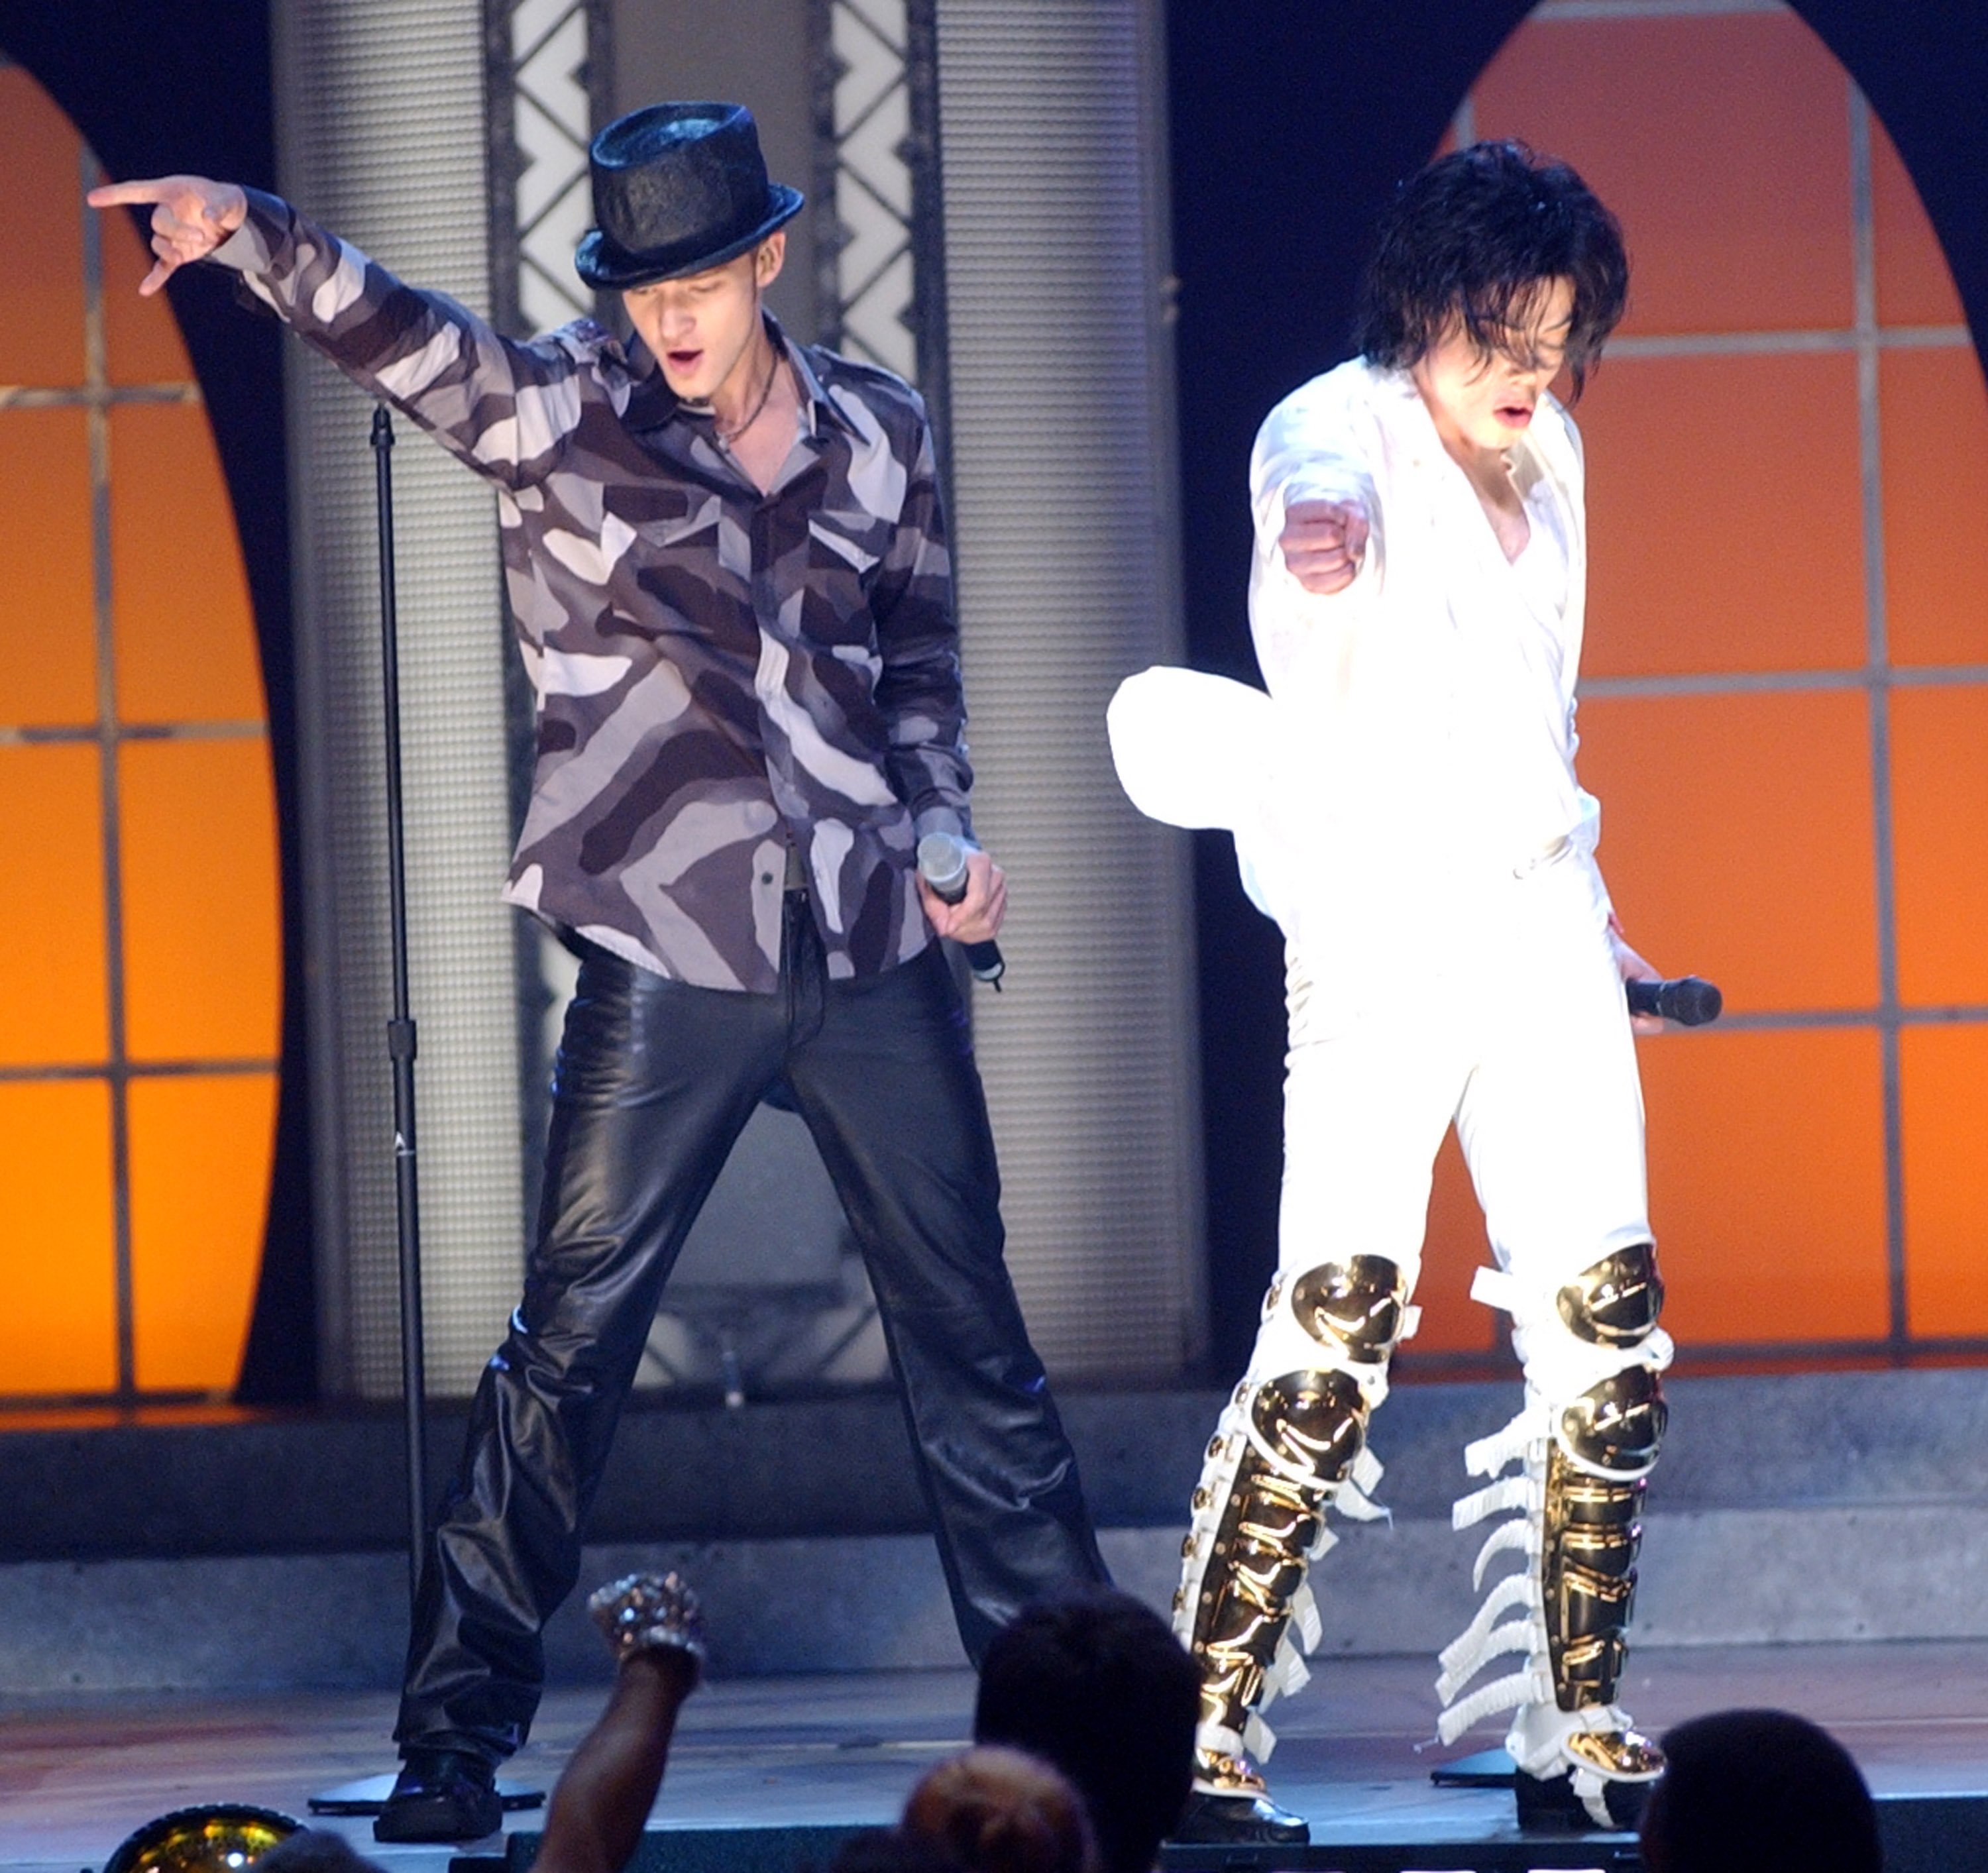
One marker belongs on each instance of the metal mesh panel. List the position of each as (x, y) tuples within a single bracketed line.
[(1063, 469), (382, 136)]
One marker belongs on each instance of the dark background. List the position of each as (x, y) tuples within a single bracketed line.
[(1291, 124)]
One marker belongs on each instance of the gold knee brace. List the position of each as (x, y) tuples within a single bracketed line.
[(1286, 1446), (1583, 1446), (1616, 1301), (1356, 1309), (1603, 1446), (1315, 1424)]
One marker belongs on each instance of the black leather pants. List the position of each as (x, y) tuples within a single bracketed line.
[(655, 1080)]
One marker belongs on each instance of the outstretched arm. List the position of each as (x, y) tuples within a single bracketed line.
[(506, 409), (594, 1822)]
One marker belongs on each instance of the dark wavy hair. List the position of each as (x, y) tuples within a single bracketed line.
[(1476, 236)]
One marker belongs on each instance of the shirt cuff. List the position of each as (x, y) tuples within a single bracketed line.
[(252, 246), (952, 820)]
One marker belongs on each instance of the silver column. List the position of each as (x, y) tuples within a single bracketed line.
[(1052, 127), (382, 136)]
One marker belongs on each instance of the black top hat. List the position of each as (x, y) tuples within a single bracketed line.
[(677, 188)]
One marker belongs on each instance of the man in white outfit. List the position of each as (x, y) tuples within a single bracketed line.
[(1405, 803)]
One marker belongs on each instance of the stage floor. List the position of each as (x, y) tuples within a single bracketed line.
[(77, 1774)]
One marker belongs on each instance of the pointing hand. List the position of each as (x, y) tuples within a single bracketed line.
[(191, 216)]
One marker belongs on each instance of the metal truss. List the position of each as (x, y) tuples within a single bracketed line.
[(547, 66), (880, 255)]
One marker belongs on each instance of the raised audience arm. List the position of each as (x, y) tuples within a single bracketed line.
[(601, 1801)]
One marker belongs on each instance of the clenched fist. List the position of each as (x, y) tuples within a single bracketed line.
[(1324, 543)]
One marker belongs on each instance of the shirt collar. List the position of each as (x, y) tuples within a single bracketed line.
[(815, 396), (652, 404), (1402, 409)]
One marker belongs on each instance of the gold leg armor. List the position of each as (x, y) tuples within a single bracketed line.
[(1287, 1445), (1583, 1447)]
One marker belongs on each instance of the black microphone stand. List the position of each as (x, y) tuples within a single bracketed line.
[(400, 1047), (368, 1796)]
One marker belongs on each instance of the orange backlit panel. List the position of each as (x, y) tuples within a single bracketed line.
[(186, 638), (57, 1260), (53, 1001), (1455, 1248), (200, 1185), (1721, 143), (1933, 428), (202, 943), (48, 603), (190, 823), (1767, 1184), (1737, 840), (1914, 286), (1724, 528), (40, 234), (1939, 817), (1944, 1081), (1725, 506), (141, 338)]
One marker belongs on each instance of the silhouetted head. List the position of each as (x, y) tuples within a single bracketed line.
[(1000, 1811), (316, 1850), (1097, 1684), (1759, 1791)]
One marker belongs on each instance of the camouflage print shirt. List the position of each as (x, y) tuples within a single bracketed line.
[(720, 675)]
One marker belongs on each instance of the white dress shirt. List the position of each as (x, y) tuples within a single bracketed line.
[(1418, 745), (1435, 692)]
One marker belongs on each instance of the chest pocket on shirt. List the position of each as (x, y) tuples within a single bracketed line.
[(693, 579), (845, 554)]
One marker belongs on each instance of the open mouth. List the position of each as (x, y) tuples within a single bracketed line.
[(1515, 415), (682, 363)]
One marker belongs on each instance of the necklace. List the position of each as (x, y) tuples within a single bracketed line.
[(758, 408)]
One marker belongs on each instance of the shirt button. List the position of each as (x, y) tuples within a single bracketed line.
[(765, 878)]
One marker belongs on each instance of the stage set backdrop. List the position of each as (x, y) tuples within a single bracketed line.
[(1784, 710)]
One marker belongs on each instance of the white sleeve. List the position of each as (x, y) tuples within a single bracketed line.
[(1309, 447)]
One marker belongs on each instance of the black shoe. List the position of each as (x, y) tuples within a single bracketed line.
[(1549, 1802), (441, 1795), (1228, 1820)]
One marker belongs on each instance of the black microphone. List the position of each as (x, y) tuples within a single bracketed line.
[(1690, 1001), (942, 865)]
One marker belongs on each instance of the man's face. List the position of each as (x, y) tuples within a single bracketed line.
[(700, 328), (1488, 402)]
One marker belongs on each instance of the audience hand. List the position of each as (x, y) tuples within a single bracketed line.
[(647, 1612)]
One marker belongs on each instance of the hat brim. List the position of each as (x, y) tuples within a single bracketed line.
[(608, 269)]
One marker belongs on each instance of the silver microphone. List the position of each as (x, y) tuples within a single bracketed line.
[(942, 865)]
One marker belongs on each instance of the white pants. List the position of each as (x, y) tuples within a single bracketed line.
[(1506, 1014), (1518, 1032)]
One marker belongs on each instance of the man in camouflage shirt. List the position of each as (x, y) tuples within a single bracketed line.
[(726, 558)]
